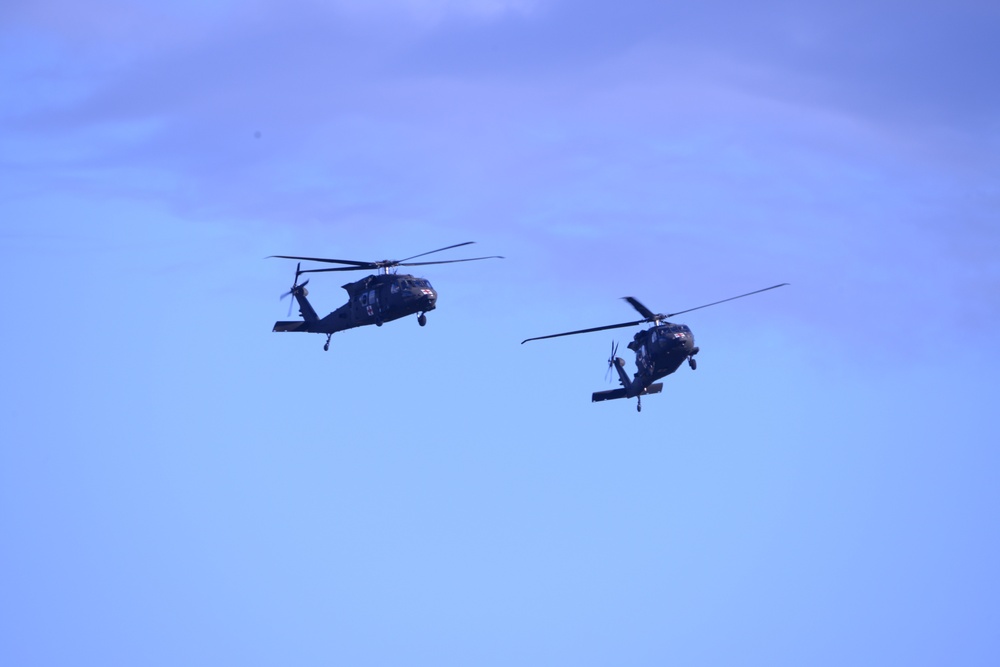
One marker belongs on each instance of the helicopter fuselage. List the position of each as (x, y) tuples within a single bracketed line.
[(374, 300), (660, 351), (386, 297)]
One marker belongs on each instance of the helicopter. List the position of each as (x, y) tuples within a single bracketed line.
[(659, 350), (374, 299)]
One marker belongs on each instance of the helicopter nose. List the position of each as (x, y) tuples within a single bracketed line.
[(427, 297)]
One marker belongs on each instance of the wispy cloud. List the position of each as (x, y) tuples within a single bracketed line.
[(857, 136)]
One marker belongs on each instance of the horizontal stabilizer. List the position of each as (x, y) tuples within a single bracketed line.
[(291, 326), (607, 395), (620, 393)]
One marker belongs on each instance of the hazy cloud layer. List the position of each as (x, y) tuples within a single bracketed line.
[(859, 138)]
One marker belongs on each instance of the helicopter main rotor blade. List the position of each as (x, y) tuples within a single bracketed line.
[(382, 264), (340, 268), (360, 265), (635, 304), (429, 252), (715, 303), (645, 312), (582, 331), (450, 261)]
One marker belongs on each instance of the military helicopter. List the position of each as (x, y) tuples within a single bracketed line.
[(659, 350), (372, 300)]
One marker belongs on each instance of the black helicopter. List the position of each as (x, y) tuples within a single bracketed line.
[(372, 300), (659, 350)]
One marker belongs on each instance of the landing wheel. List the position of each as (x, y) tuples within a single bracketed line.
[(326, 345), (378, 323), (692, 363), (421, 319), (638, 406)]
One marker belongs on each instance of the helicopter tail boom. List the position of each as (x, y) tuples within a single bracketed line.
[(619, 365)]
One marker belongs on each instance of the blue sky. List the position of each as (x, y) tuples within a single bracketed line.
[(179, 485)]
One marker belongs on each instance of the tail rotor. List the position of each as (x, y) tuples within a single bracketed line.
[(611, 361), (295, 288)]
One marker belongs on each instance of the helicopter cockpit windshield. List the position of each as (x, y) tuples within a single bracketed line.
[(669, 334), (417, 283)]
